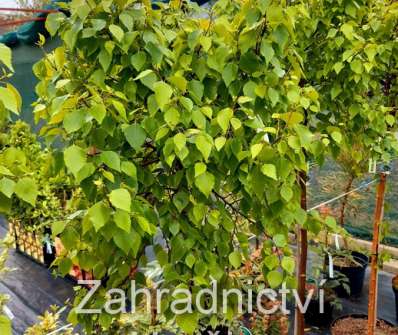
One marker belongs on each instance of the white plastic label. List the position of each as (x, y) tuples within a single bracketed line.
[(331, 270), (336, 241)]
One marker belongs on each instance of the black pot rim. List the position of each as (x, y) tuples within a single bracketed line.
[(360, 258), (357, 316)]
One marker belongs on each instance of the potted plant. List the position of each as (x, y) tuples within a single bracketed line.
[(33, 202), (395, 289), (315, 316), (350, 263), (5, 315), (50, 322), (358, 324)]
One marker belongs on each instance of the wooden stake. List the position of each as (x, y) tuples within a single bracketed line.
[(379, 211), (302, 251)]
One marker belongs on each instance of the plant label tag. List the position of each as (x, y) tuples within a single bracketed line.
[(336, 241), (331, 270), (8, 313)]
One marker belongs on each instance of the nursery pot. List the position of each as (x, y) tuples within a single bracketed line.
[(355, 275), (49, 251), (314, 317), (219, 330), (396, 301), (355, 316)]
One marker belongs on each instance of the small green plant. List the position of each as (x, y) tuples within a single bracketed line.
[(50, 322), (5, 322)]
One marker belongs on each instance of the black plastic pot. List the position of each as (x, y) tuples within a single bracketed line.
[(396, 301), (313, 316), (49, 257), (222, 330), (355, 275), (355, 316)]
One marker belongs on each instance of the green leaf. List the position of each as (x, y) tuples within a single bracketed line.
[(269, 170), (58, 227), (9, 98), (229, 73), (120, 108), (267, 51), (348, 30), (172, 117), (271, 262), (337, 136), (280, 240), (190, 260), (338, 67), (75, 158), (138, 60), (255, 149), (121, 199), (273, 95), (74, 121), (288, 264), (53, 22), (200, 168), (220, 142), (5, 325), (356, 66), (390, 119), (117, 32), (336, 90), (122, 220), (181, 200), (123, 240), (5, 204), (6, 56), (105, 59), (65, 265), (223, 118), (187, 322), (274, 279), (127, 20), (26, 189), (199, 119), (180, 141), (144, 74), (7, 187), (196, 89), (98, 112), (205, 183), (286, 192), (111, 159), (291, 118), (145, 225), (99, 215), (204, 144), (129, 169), (163, 93), (235, 259), (281, 36), (135, 135)]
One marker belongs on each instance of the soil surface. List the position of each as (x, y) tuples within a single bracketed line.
[(355, 326)]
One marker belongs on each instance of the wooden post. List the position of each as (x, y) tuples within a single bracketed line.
[(379, 211), (302, 251)]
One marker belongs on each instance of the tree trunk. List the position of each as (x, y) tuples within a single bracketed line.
[(302, 251), (372, 308), (345, 201)]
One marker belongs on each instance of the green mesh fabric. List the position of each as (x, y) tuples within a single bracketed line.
[(24, 57)]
